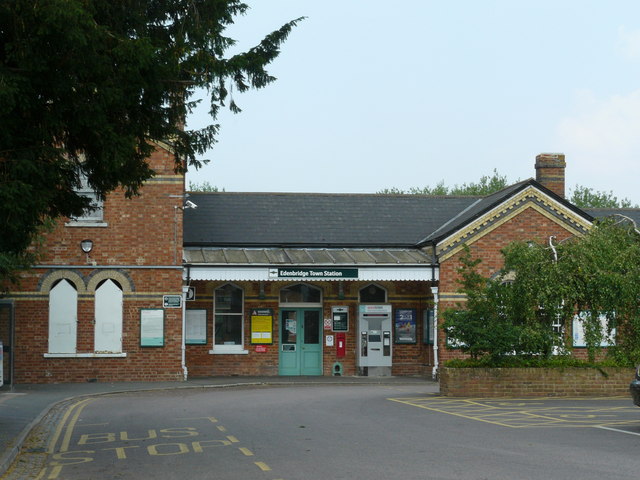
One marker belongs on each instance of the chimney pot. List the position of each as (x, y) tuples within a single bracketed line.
[(550, 169)]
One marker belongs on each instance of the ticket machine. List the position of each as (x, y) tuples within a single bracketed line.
[(374, 337)]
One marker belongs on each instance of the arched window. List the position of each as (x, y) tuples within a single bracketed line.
[(229, 319), (108, 318), (301, 293), (63, 317), (372, 293)]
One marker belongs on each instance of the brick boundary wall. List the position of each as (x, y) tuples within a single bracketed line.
[(535, 382)]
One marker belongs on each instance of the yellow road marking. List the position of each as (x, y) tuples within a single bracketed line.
[(501, 412), (58, 432), (67, 436), (263, 466), (233, 439), (211, 419), (55, 471), (246, 451), (41, 474), (221, 428), (449, 413)]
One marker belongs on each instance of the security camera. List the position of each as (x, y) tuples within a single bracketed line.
[(190, 204)]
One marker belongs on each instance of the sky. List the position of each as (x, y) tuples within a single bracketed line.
[(373, 94)]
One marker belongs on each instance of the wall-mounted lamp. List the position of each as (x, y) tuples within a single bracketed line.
[(86, 245)]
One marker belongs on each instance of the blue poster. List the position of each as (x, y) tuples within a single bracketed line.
[(405, 325)]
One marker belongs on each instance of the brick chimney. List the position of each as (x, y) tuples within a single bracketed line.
[(550, 171)]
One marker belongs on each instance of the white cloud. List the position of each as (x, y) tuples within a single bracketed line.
[(602, 142), (628, 44), (604, 133)]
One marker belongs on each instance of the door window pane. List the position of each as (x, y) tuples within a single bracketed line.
[(289, 327), (312, 328)]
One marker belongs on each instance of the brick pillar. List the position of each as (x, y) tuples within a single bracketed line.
[(550, 171)]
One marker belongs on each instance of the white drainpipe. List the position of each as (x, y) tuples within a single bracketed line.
[(185, 289), (434, 373)]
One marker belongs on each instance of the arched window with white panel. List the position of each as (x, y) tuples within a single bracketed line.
[(63, 317), (108, 318)]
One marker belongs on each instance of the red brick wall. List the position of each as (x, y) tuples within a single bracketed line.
[(143, 242), (528, 225), (534, 382), (407, 359)]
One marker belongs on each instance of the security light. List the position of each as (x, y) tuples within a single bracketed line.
[(86, 245)]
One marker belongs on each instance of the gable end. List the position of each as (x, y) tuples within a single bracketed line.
[(530, 197)]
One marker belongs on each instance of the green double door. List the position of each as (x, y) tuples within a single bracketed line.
[(300, 341)]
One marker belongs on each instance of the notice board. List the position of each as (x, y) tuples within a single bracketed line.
[(261, 326)]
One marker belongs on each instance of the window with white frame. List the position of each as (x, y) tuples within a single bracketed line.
[(229, 319), (108, 318), (94, 214), (63, 317), (607, 331)]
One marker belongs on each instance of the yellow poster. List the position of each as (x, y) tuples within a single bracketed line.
[(262, 326)]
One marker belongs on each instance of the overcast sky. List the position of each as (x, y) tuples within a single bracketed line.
[(373, 94)]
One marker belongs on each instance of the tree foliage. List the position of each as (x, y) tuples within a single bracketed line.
[(585, 197), (85, 85), (581, 196), (205, 187), (485, 186), (529, 307)]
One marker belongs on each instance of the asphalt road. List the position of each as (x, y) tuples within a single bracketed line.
[(332, 432)]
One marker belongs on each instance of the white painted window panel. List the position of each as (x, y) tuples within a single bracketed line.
[(63, 318), (108, 315)]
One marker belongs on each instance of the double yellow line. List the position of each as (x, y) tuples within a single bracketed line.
[(62, 436)]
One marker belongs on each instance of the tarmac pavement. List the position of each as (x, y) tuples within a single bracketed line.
[(22, 407)]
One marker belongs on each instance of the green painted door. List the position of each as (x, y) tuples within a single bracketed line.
[(300, 341)]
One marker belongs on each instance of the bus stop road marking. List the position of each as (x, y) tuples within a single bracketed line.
[(528, 413)]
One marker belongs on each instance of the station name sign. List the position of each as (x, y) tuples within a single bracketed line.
[(318, 273)]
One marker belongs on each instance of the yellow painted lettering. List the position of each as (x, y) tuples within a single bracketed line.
[(124, 436), (120, 451), (97, 438), (179, 432), (72, 458), (169, 449), (198, 447)]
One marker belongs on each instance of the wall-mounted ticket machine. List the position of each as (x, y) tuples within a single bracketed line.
[(374, 337)]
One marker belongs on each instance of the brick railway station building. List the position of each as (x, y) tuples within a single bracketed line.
[(167, 286)]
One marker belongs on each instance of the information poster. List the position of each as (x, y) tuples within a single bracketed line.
[(196, 326), (152, 327), (405, 325), (262, 326)]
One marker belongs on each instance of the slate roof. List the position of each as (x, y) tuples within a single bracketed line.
[(325, 220), (316, 219), (632, 213)]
